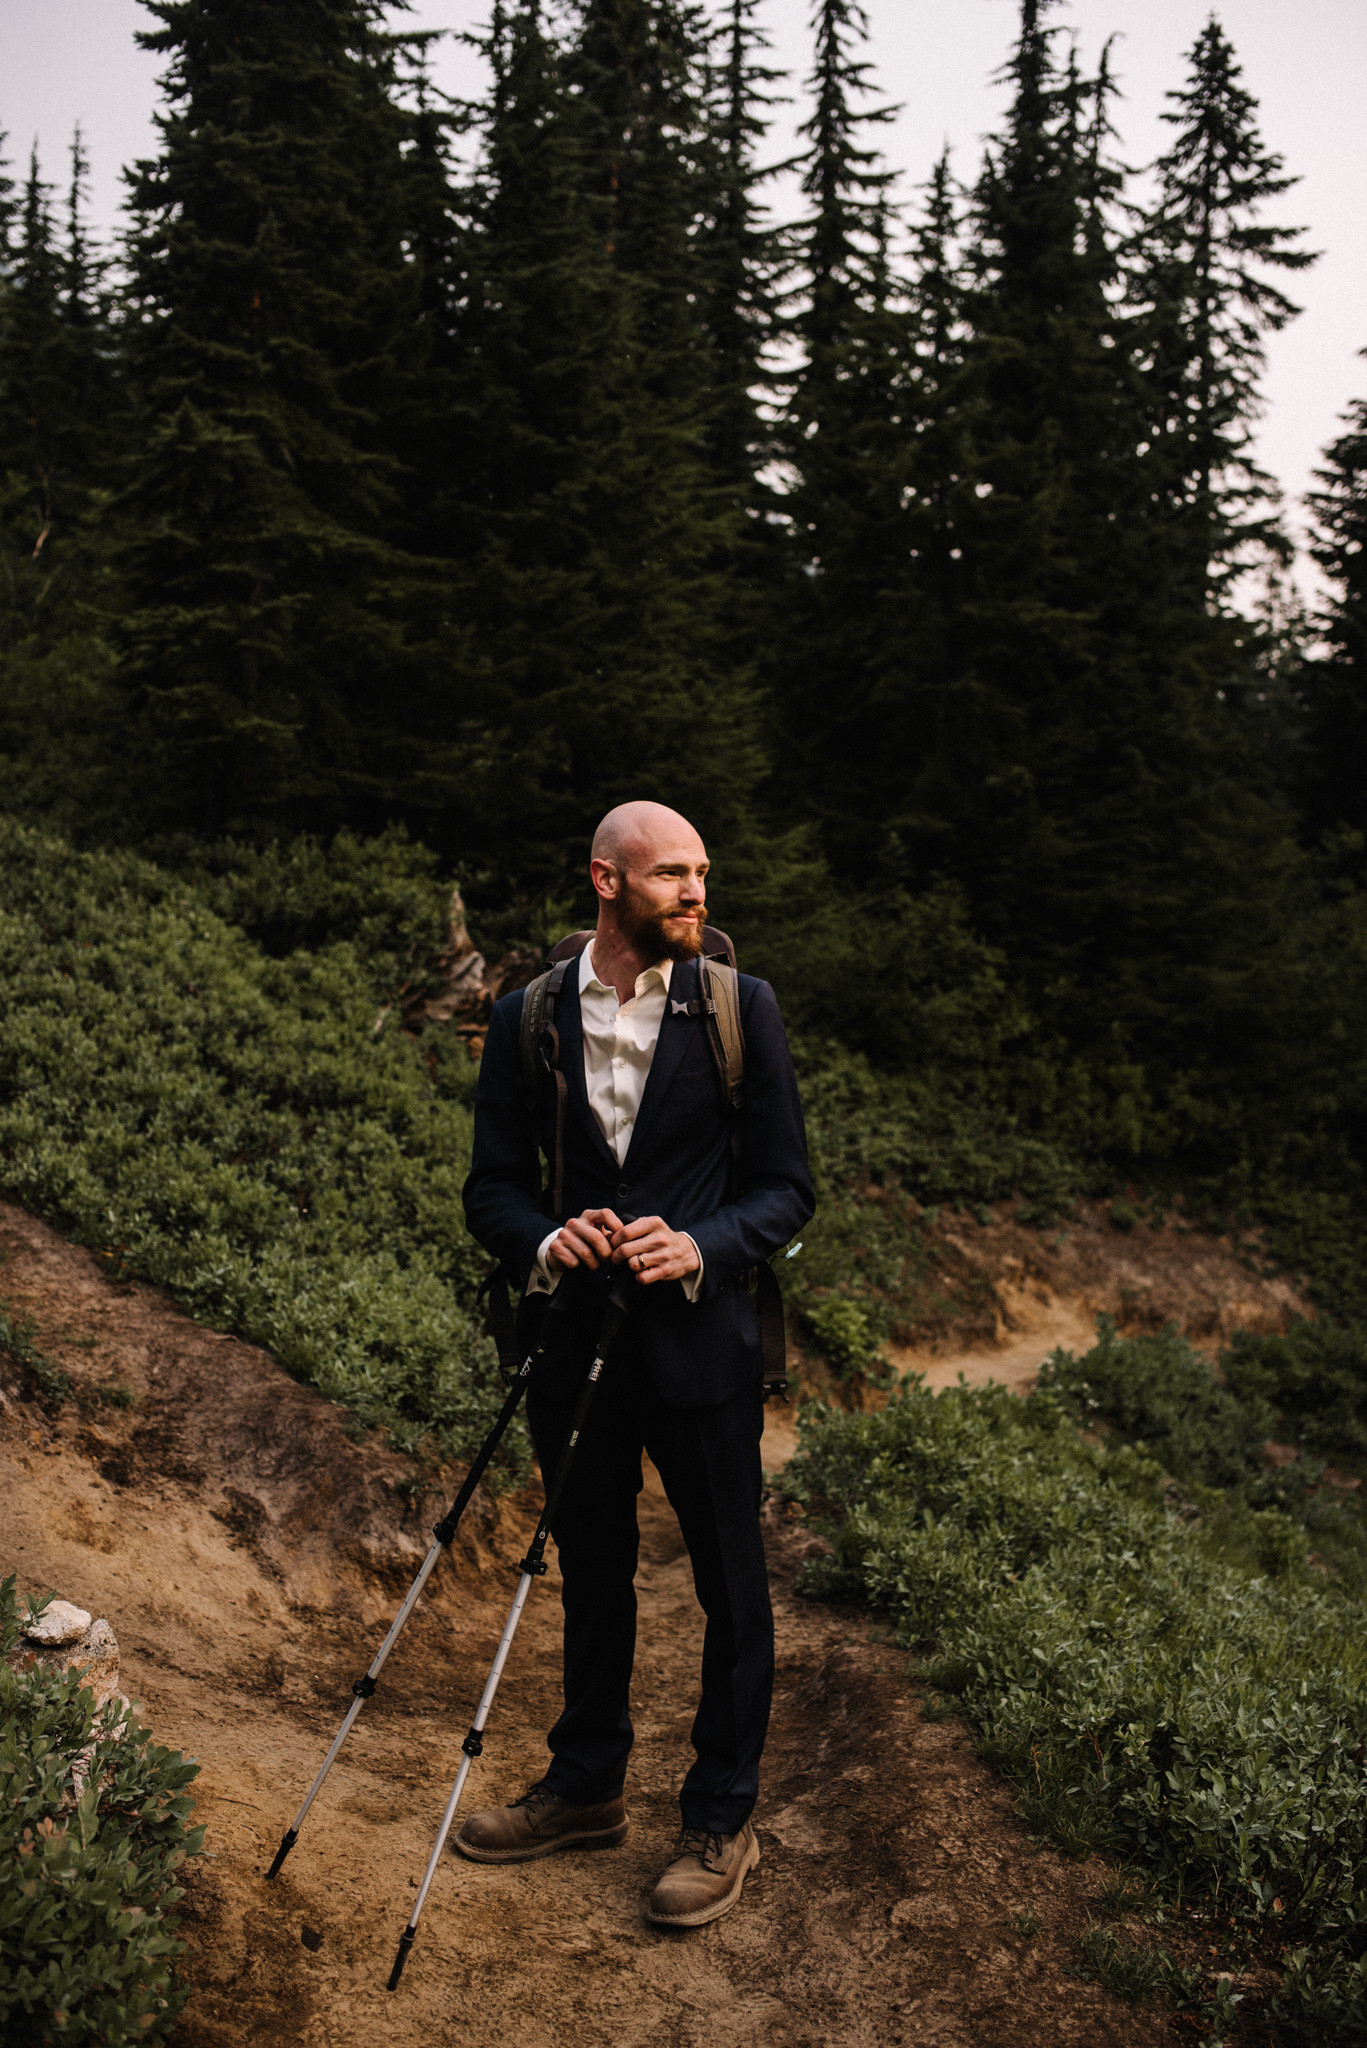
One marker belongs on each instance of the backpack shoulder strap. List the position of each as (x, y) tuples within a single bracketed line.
[(726, 1034), (540, 1047), (773, 1338)]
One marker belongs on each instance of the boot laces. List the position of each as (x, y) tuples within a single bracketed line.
[(704, 1843), (535, 1797)]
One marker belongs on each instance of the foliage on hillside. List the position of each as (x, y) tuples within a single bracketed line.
[(229, 1124), (87, 1893), (1173, 1685), (192, 1082)]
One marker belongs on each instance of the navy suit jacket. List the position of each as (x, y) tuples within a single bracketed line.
[(678, 1167)]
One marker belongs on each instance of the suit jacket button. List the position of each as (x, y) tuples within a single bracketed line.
[(623, 1191)]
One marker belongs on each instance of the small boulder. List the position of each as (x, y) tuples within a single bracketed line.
[(62, 1623), (93, 1651)]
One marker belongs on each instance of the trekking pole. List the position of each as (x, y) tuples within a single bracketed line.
[(532, 1567), (442, 1533)]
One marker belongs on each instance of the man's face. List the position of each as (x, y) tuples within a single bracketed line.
[(663, 906)]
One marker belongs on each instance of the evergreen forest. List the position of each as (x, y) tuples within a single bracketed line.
[(412, 479), (454, 471)]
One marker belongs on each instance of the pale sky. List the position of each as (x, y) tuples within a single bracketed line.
[(69, 60)]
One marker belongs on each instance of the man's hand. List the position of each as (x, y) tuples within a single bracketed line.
[(652, 1251), (585, 1241)]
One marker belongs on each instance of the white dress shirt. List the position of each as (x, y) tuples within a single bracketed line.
[(619, 1046)]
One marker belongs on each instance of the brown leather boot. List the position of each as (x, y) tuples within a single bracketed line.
[(705, 1878), (539, 1823)]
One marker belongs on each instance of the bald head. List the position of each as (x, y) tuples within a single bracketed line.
[(639, 835), (649, 872)]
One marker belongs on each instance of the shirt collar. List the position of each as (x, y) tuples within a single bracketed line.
[(664, 969)]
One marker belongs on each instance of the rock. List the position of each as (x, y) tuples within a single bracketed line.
[(94, 1652), (62, 1623)]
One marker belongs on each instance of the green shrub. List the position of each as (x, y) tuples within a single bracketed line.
[(88, 1936), (228, 1125), (1160, 1391), (1315, 1377), (1166, 1397), (1203, 1716), (382, 896), (845, 1335)]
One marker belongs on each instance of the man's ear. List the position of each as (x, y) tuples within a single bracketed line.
[(606, 880)]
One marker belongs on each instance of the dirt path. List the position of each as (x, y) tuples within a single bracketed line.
[(249, 1555)]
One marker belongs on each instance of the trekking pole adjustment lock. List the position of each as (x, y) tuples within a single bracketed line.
[(535, 1565), (365, 1687), (473, 1744)]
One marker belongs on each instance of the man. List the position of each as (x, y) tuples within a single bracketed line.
[(649, 1182)]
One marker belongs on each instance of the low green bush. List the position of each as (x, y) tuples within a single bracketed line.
[(1203, 1716), (382, 896), (88, 1938), (1209, 1432), (847, 1338), (228, 1124), (1161, 1391), (1315, 1378)]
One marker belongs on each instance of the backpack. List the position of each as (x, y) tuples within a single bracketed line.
[(719, 1004)]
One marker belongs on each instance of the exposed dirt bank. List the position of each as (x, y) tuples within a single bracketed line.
[(1040, 1289), (248, 1555)]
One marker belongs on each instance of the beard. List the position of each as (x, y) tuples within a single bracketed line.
[(650, 932)]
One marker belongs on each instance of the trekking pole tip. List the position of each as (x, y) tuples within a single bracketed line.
[(405, 1944), (291, 1836)]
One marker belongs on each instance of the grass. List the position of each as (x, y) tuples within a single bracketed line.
[(1127, 1968), (44, 1375)]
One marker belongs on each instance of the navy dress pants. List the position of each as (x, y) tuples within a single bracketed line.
[(709, 1461)]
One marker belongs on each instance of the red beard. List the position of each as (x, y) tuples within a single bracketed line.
[(650, 932)]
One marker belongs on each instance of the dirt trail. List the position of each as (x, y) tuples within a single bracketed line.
[(248, 1555)]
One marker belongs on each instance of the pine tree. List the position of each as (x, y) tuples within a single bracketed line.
[(843, 445), (32, 390), (266, 653), (60, 397), (586, 524), (740, 252), (1205, 259), (1334, 783), (62, 431), (1053, 697)]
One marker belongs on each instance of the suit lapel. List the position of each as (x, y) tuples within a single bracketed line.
[(569, 1024), (670, 1047)]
